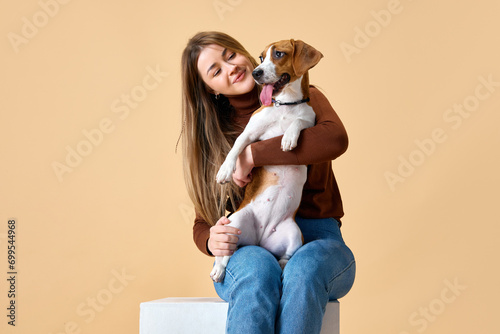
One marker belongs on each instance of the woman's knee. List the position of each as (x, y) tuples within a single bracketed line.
[(256, 263), (341, 284), (320, 262)]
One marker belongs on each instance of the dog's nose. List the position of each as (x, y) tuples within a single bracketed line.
[(257, 73)]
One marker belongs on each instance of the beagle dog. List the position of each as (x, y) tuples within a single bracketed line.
[(266, 214)]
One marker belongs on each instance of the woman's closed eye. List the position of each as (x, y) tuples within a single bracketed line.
[(217, 71)]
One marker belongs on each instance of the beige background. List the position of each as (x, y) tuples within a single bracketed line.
[(122, 210)]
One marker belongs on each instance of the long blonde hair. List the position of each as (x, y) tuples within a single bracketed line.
[(207, 134)]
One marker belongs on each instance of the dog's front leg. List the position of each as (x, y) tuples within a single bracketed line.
[(292, 133), (228, 167), (252, 132)]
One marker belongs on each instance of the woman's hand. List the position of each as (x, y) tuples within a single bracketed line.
[(244, 165), (220, 242)]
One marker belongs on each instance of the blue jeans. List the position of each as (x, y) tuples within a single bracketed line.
[(264, 299)]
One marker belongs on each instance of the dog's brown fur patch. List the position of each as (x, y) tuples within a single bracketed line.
[(261, 180)]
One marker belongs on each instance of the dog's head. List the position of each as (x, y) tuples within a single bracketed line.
[(282, 63)]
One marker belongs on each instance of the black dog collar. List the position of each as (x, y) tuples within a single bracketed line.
[(279, 103)]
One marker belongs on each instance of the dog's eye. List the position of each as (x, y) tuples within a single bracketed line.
[(278, 54), (261, 59)]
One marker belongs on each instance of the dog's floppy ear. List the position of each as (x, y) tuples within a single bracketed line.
[(305, 57)]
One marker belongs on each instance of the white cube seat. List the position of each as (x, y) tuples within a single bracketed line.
[(204, 315)]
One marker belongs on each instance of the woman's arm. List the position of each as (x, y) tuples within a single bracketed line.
[(201, 233), (323, 142)]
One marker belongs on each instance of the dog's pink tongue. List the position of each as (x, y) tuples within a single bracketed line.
[(266, 95)]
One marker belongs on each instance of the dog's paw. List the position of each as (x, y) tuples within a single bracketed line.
[(283, 263), (289, 140), (225, 173), (218, 273)]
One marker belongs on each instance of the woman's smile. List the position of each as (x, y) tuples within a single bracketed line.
[(239, 76)]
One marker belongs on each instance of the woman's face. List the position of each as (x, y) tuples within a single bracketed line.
[(224, 71)]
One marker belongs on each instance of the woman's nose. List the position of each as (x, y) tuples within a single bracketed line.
[(231, 69)]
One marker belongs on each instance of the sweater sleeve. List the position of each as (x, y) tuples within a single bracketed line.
[(323, 142), (201, 233)]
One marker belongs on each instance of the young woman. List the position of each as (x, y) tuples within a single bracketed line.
[(219, 96)]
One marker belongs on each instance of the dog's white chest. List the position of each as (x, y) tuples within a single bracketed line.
[(280, 118)]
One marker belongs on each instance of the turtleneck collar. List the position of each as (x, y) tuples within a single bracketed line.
[(245, 104)]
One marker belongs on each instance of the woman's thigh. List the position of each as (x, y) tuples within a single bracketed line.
[(324, 258)]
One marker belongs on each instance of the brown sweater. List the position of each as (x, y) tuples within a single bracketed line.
[(317, 147)]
